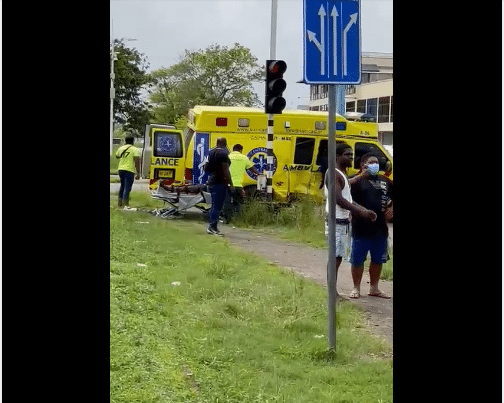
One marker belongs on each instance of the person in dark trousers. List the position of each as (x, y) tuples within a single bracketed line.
[(344, 204), (129, 160), (374, 192), (218, 182), (239, 165)]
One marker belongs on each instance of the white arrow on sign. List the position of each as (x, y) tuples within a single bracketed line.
[(334, 14), (320, 45), (353, 20)]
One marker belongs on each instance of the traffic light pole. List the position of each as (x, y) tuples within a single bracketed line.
[(269, 159), (273, 28), (331, 199), (269, 142)]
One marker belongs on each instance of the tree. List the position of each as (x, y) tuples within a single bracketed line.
[(130, 68), (217, 75)]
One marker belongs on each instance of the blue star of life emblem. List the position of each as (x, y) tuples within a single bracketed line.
[(259, 157)]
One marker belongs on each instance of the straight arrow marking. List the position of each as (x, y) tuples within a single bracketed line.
[(334, 14), (322, 15)]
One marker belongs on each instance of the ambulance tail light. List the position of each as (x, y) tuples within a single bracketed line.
[(188, 174), (221, 122)]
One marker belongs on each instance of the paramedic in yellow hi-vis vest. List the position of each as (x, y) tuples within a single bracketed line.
[(129, 160), (239, 164)]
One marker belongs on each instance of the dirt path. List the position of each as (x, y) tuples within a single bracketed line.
[(311, 263)]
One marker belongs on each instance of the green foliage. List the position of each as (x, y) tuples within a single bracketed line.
[(388, 268), (302, 221), (217, 75), (130, 70)]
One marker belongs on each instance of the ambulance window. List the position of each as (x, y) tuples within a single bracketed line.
[(167, 145), (363, 148), (322, 153), (303, 154)]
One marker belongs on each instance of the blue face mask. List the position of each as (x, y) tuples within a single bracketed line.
[(373, 169)]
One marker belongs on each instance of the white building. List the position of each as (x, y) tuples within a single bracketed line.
[(373, 96)]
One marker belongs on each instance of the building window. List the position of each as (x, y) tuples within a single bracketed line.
[(383, 109), (372, 107), (350, 89), (391, 108), (323, 91), (361, 105), (350, 106)]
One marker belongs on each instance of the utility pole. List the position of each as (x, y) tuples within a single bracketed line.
[(269, 143), (112, 91), (112, 88)]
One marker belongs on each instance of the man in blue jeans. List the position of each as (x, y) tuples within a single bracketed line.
[(374, 192), (218, 182), (129, 162)]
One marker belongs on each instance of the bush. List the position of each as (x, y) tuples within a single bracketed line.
[(302, 214)]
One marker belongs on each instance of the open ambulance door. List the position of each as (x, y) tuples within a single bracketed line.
[(164, 154)]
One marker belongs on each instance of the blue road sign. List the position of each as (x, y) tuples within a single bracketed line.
[(332, 45)]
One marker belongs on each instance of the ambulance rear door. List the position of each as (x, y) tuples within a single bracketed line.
[(167, 160)]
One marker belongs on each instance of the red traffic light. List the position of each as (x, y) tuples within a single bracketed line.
[(275, 86), (277, 67)]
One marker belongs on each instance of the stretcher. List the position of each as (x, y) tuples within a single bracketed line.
[(178, 199)]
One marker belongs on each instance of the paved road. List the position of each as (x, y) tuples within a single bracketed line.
[(138, 185)]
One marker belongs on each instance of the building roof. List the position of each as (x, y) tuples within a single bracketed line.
[(378, 54)]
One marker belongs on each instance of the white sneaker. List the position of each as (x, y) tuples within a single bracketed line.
[(126, 208), (212, 231)]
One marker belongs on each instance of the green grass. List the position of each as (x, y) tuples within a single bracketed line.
[(302, 221), (387, 269), (236, 329), (114, 162)]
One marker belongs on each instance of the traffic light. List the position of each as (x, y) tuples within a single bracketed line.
[(275, 86)]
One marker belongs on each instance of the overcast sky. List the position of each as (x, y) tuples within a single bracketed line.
[(165, 28)]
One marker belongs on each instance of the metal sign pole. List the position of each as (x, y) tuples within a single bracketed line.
[(331, 261)]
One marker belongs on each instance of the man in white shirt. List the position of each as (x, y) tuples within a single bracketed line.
[(344, 203)]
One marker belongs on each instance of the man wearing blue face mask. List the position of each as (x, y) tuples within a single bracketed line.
[(374, 192)]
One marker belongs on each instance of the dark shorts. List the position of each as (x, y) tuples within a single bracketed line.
[(377, 246)]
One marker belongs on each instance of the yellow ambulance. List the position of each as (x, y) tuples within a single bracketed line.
[(163, 155), (299, 145)]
